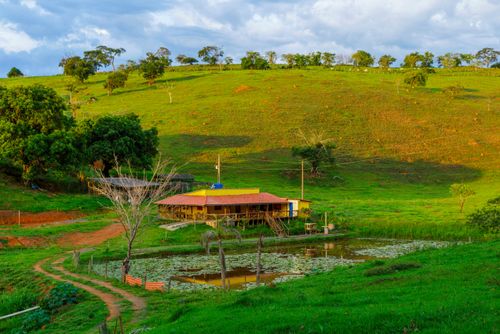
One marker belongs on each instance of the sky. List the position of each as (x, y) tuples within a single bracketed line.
[(36, 34)]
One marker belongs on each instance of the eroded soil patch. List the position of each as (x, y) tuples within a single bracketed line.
[(30, 219)]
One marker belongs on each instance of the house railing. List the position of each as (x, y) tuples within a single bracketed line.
[(251, 215)]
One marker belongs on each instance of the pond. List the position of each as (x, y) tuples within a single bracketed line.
[(279, 263)]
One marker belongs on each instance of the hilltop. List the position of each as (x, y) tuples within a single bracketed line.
[(397, 150)]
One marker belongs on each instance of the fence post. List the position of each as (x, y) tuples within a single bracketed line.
[(144, 280), (106, 270), (169, 283), (103, 328)]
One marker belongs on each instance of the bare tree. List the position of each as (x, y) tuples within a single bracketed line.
[(133, 199)]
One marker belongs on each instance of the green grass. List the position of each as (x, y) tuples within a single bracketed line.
[(454, 290), (21, 288), (398, 152)]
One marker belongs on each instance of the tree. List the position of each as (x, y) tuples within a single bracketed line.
[(271, 57), (327, 59), (467, 58), (153, 66), (300, 60), (316, 150), (386, 61), (185, 60), (25, 113), (134, 204), (211, 55), (289, 59), (14, 73), (462, 191), (362, 58), (413, 60), (254, 61), (228, 60), (78, 68), (416, 78), (427, 60), (487, 56), (110, 54), (115, 80), (450, 60), (119, 139), (54, 151), (314, 58), (218, 234)]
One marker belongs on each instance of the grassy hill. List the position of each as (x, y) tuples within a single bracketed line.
[(398, 150)]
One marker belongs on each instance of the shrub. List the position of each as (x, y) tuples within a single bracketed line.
[(62, 294), (454, 90), (414, 79), (486, 219), (35, 320)]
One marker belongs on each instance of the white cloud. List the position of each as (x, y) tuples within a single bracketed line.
[(85, 38), (33, 5), (13, 40), (185, 16)]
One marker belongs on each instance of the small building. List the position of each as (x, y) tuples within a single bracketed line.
[(122, 183), (237, 204)]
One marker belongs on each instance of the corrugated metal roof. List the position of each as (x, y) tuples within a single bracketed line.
[(261, 198)]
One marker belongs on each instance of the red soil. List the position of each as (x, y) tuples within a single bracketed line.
[(11, 217), (91, 238), (26, 242)]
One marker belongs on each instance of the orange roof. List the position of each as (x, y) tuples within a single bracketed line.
[(260, 198)]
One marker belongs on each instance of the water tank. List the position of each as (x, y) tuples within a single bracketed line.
[(217, 186)]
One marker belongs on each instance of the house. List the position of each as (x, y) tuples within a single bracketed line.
[(237, 204)]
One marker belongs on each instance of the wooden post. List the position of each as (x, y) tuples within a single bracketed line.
[(169, 283), (144, 280), (302, 179), (259, 253), (19, 217), (106, 270), (218, 168)]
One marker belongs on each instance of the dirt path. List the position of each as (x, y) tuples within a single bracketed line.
[(114, 295), (138, 303), (110, 300), (91, 238)]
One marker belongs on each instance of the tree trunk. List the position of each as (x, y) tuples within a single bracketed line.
[(222, 259), (106, 169), (462, 202), (259, 253), (126, 261)]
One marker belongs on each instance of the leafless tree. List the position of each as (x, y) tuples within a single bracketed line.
[(134, 199)]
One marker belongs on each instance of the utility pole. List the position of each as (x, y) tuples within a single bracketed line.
[(302, 179), (218, 168)]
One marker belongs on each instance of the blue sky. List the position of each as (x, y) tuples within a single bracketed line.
[(36, 34)]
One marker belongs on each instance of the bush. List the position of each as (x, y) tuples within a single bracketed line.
[(454, 90), (62, 294), (486, 219), (34, 321), (414, 79)]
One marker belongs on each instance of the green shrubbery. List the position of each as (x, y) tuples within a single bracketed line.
[(487, 218), (61, 295)]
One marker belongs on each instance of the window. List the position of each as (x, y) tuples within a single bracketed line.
[(199, 208), (217, 208)]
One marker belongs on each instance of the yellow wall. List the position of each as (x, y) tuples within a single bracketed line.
[(224, 192)]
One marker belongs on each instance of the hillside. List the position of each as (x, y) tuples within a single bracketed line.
[(397, 150)]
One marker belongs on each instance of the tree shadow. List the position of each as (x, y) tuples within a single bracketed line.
[(348, 168), (194, 144)]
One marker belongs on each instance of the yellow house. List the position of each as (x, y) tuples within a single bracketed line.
[(238, 204)]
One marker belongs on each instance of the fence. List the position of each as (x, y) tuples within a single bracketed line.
[(150, 286)]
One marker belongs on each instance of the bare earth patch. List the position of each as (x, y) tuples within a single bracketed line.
[(91, 238), (242, 88), (29, 219), (26, 242)]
